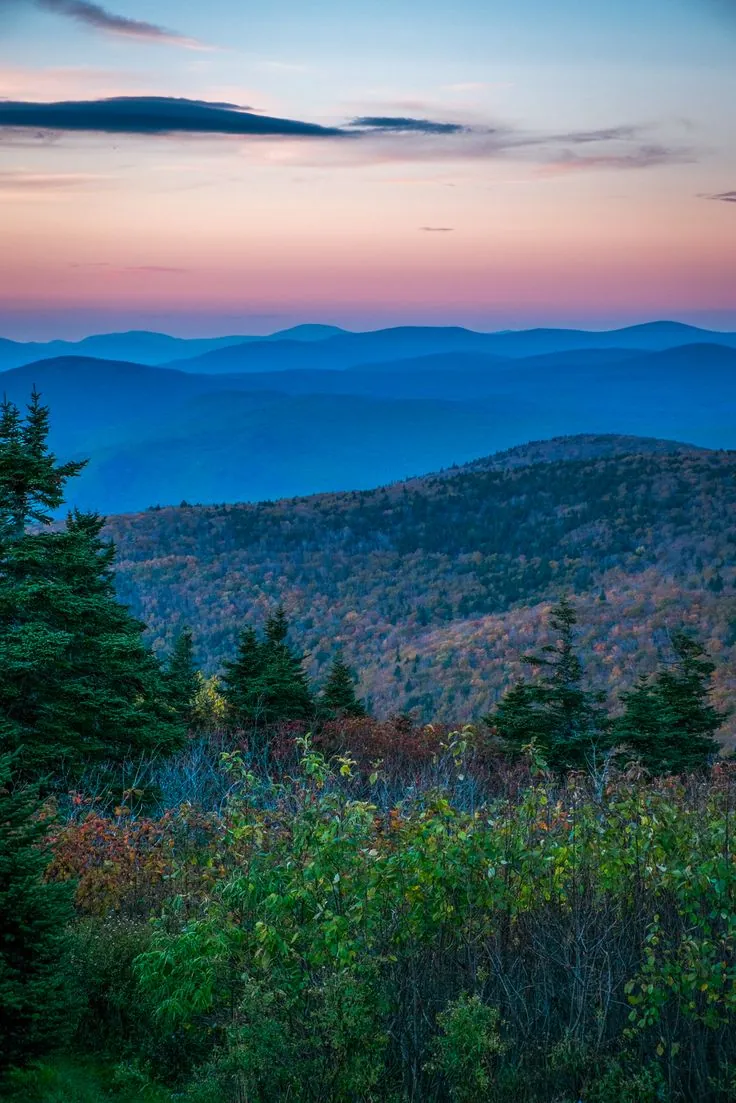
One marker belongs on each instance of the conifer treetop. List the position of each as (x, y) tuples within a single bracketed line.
[(31, 480)]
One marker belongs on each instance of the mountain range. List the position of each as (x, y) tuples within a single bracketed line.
[(434, 585), (157, 435), (143, 346), (322, 346)]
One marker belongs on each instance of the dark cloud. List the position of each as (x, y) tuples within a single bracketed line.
[(94, 15), (391, 124), (378, 138), (724, 196), (437, 229), (152, 115)]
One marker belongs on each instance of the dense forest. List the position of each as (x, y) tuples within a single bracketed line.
[(434, 587), (245, 886)]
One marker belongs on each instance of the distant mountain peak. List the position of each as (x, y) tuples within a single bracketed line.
[(307, 331)]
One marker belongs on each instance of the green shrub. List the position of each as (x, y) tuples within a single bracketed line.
[(617, 1084), (102, 954), (468, 1049)]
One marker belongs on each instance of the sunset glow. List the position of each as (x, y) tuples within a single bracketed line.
[(458, 167)]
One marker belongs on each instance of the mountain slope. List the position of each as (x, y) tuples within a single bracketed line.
[(434, 587)]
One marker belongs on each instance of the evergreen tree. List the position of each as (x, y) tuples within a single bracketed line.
[(668, 721), (37, 1005), (286, 692), (181, 677), (266, 683), (338, 696), (277, 627), (77, 683), (241, 681), (31, 481), (564, 720)]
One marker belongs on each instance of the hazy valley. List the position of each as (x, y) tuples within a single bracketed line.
[(283, 417)]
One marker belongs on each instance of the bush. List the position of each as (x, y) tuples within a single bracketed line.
[(468, 1049), (564, 942), (102, 955)]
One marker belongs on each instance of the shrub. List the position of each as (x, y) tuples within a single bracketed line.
[(468, 1049)]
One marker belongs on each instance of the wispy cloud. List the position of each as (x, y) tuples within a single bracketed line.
[(391, 124), (100, 19), (19, 181), (154, 268), (642, 157), (723, 197), (366, 139), (602, 134), (437, 229)]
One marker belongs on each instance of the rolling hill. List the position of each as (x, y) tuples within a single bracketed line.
[(142, 346), (435, 587), (312, 346), (349, 350), (159, 436)]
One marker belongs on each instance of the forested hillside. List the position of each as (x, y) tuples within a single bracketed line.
[(435, 588)]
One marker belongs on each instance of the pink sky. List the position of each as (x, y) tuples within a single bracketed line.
[(589, 184)]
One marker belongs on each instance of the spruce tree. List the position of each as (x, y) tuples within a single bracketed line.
[(77, 683), (556, 712), (37, 1002), (182, 681), (266, 683), (31, 481), (277, 627), (287, 694), (241, 681), (668, 721), (338, 696)]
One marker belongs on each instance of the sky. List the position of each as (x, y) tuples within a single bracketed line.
[(236, 168)]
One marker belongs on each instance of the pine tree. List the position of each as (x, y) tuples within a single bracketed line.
[(338, 696), (77, 684), (563, 719), (668, 721), (181, 677), (37, 1004)]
